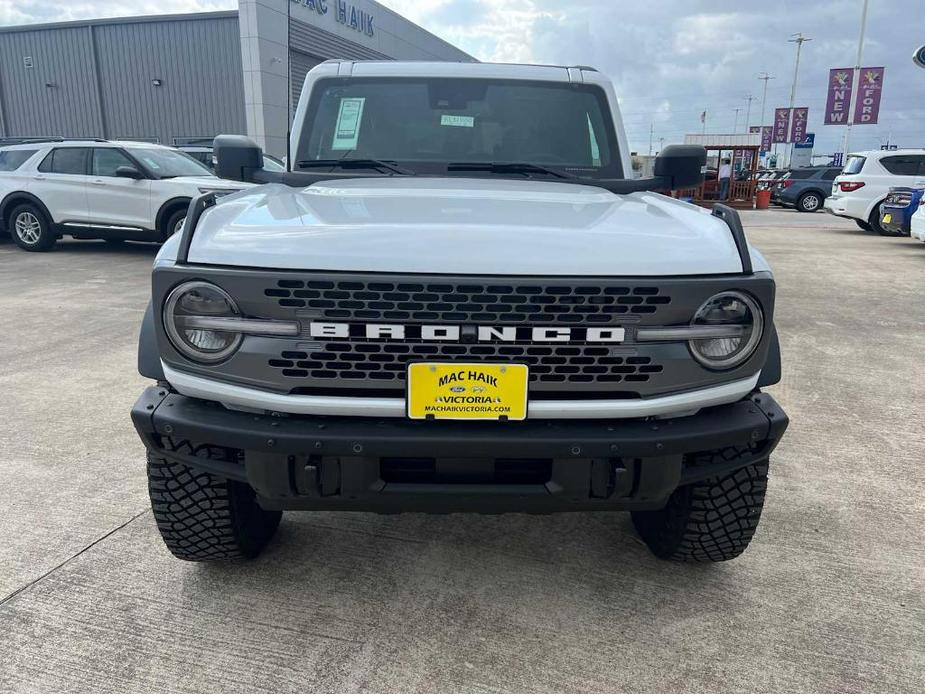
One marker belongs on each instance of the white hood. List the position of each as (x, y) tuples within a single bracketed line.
[(464, 226)]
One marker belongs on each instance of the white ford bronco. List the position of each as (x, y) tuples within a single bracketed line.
[(455, 300)]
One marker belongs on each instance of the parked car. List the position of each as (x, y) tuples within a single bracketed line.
[(98, 189), (805, 189), (917, 228), (204, 155), (897, 210), (866, 180), (602, 346)]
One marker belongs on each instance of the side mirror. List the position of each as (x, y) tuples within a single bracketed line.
[(682, 165), (237, 157), (128, 172)]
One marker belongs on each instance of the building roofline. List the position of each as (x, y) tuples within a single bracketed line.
[(392, 12), (104, 21)]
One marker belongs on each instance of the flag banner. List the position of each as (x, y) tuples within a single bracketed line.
[(870, 88), (839, 96), (798, 129), (766, 133), (781, 125)]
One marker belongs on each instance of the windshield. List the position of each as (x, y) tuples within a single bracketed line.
[(169, 163), (854, 165), (427, 123)]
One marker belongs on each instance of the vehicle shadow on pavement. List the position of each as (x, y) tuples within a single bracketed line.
[(103, 248), (370, 557)]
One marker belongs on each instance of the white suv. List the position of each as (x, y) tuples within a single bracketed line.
[(866, 180), (98, 189)]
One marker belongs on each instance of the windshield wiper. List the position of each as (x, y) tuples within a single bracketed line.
[(389, 166), (508, 168)]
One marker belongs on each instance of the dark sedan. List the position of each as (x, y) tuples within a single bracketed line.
[(804, 189)]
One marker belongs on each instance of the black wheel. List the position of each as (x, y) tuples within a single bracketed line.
[(202, 517), (30, 229), (173, 223), (864, 225), (707, 521), (874, 221), (809, 202)]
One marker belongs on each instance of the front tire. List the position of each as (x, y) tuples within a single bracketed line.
[(202, 517), (809, 202), (31, 229), (864, 225), (174, 224), (709, 521)]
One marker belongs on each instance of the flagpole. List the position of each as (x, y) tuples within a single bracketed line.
[(855, 83)]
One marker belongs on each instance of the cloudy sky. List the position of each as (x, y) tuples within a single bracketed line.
[(670, 59)]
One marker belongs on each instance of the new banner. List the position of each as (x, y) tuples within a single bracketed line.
[(870, 88), (798, 129), (839, 96), (766, 133), (781, 125)]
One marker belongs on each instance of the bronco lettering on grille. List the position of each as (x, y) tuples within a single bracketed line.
[(456, 333)]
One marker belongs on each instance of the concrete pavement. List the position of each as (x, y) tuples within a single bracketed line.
[(829, 598)]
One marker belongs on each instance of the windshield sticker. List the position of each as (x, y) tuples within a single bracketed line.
[(458, 121), (349, 118)]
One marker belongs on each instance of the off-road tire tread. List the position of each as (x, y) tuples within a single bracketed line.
[(709, 521), (202, 517)]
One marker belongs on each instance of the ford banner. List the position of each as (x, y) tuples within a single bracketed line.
[(870, 87)]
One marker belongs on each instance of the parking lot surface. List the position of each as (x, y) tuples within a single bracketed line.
[(829, 598)]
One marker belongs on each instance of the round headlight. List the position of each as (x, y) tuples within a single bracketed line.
[(735, 313), (197, 300)]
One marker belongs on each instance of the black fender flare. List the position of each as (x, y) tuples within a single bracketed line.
[(170, 206), (149, 358), (18, 196), (771, 371)]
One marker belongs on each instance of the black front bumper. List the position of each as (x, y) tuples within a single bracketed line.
[(393, 465)]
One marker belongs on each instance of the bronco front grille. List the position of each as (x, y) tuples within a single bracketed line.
[(558, 303), (373, 361)]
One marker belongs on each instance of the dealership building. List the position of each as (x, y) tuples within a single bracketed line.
[(179, 78)]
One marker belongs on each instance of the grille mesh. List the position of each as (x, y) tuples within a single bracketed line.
[(359, 361), (550, 303)]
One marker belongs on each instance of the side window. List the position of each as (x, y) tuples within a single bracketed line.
[(921, 164), (107, 160), (901, 166), (830, 174), (66, 160), (12, 159)]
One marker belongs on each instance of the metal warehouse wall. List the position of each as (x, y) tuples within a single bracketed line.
[(196, 58)]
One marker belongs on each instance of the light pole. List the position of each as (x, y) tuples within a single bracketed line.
[(764, 77), (854, 83), (748, 110), (799, 40), (735, 126), (651, 133)]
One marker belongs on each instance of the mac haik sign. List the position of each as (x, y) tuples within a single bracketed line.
[(840, 91)]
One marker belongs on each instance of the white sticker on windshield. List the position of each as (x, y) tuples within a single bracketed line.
[(349, 119), (458, 121)]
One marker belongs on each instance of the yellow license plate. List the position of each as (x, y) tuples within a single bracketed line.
[(467, 391), (887, 218)]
